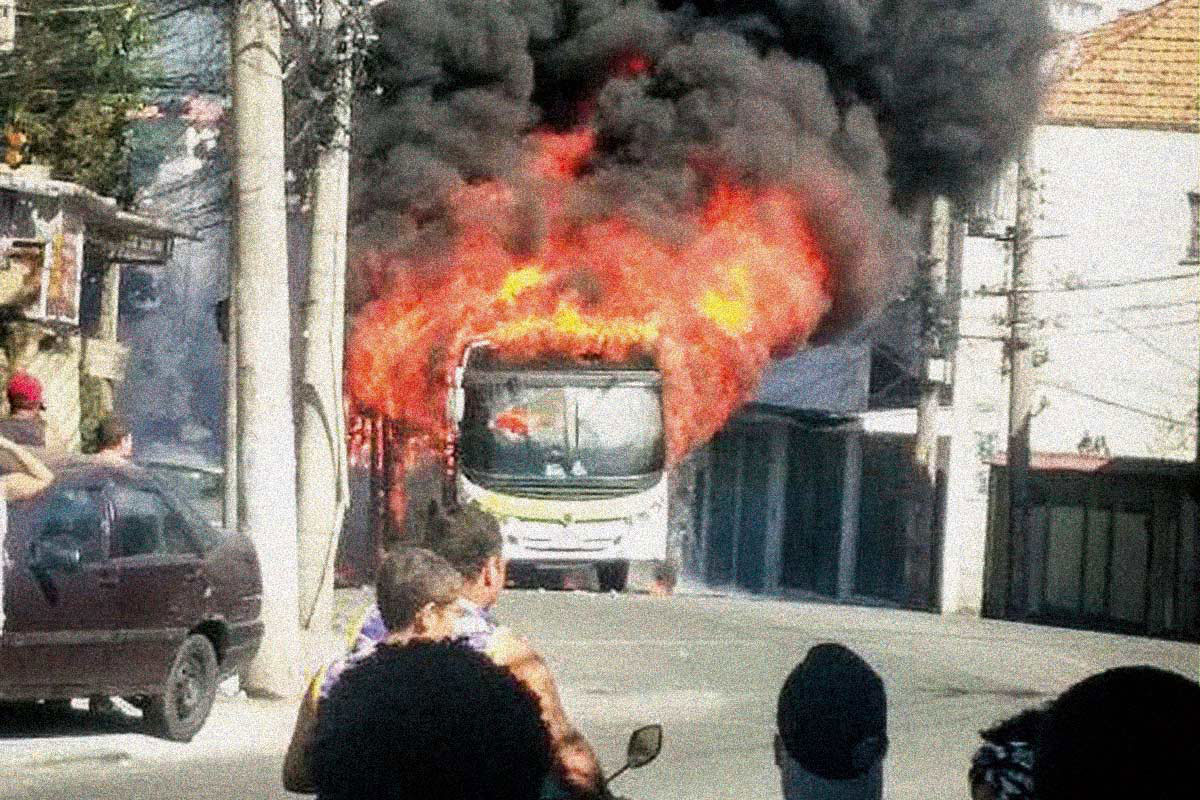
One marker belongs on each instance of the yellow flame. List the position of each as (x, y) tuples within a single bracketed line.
[(518, 281), (729, 311), (569, 321)]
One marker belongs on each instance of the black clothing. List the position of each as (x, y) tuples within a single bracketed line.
[(25, 431)]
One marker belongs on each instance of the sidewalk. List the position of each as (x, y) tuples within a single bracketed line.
[(238, 725), (44, 739)]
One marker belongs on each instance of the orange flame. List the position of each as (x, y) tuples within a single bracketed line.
[(749, 284)]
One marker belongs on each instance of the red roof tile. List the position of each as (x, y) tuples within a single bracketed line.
[(1142, 70)]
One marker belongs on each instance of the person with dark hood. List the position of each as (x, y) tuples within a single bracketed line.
[(1130, 733), (831, 722)]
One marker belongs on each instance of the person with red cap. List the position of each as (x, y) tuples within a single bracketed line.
[(25, 424)]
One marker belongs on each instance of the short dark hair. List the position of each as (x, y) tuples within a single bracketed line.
[(432, 720), (466, 536), (408, 579), (832, 713), (1024, 726), (111, 431), (1128, 732)]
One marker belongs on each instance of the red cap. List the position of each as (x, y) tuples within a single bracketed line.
[(24, 391)]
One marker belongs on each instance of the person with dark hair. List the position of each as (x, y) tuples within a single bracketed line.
[(417, 594), (429, 720), (469, 539), (831, 722), (114, 440), (1002, 767), (1126, 733)]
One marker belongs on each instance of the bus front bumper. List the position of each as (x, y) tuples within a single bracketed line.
[(552, 544)]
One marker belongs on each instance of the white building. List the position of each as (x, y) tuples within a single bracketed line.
[(1117, 293)]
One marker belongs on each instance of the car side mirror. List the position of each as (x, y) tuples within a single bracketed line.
[(50, 554)]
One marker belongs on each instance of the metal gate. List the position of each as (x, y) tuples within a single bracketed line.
[(1107, 550)]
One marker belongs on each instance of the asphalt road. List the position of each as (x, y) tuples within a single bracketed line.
[(708, 668)]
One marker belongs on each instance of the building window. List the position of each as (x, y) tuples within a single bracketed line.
[(1192, 256)]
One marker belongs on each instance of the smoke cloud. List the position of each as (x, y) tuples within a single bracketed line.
[(863, 108)]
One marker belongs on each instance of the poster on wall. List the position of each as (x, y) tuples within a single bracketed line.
[(66, 264), (22, 264)]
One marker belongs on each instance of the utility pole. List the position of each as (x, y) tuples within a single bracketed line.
[(1191, 258), (1022, 380), (932, 281), (322, 481), (229, 506), (266, 470)]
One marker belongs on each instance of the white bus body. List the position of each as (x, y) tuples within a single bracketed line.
[(568, 458)]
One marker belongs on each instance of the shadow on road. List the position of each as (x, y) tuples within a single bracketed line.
[(42, 720)]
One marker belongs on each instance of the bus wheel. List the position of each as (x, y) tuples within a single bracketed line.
[(612, 575)]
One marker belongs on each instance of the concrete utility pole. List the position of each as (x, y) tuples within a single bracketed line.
[(1190, 259), (322, 480), (918, 565), (229, 504), (1022, 380), (266, 476)]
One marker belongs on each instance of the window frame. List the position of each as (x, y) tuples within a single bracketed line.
[(194, 551), (99, 492)]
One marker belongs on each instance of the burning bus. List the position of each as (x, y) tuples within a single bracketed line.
[(586, 233), (570, 457)]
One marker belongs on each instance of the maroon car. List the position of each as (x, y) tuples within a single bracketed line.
[(113, 586)]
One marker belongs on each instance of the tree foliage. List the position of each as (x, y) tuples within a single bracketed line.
[(78, 74)]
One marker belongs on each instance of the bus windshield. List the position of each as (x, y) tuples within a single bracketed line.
[(564, 434)]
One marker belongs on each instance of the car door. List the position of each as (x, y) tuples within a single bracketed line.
[(163, 585), (61, 592)]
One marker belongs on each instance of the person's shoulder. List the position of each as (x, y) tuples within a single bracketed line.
[(336, 670), (506, 648)]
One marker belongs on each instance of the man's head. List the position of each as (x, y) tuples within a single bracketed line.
[(469, 538), (25, 394), (430, 720), (1125, 733), (832, 728), (417, 592), (113, 435)]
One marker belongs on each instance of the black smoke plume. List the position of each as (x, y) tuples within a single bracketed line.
[(889, 100)]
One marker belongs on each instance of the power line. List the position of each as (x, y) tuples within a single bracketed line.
[(1149, 345), (1156, 326), (1066, 387), (1136, 307), (1067, 286)]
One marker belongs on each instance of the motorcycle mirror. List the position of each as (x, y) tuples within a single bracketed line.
[(644, 746)]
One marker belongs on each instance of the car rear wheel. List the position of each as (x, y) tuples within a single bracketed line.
[(179, 712), (612, 575)]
